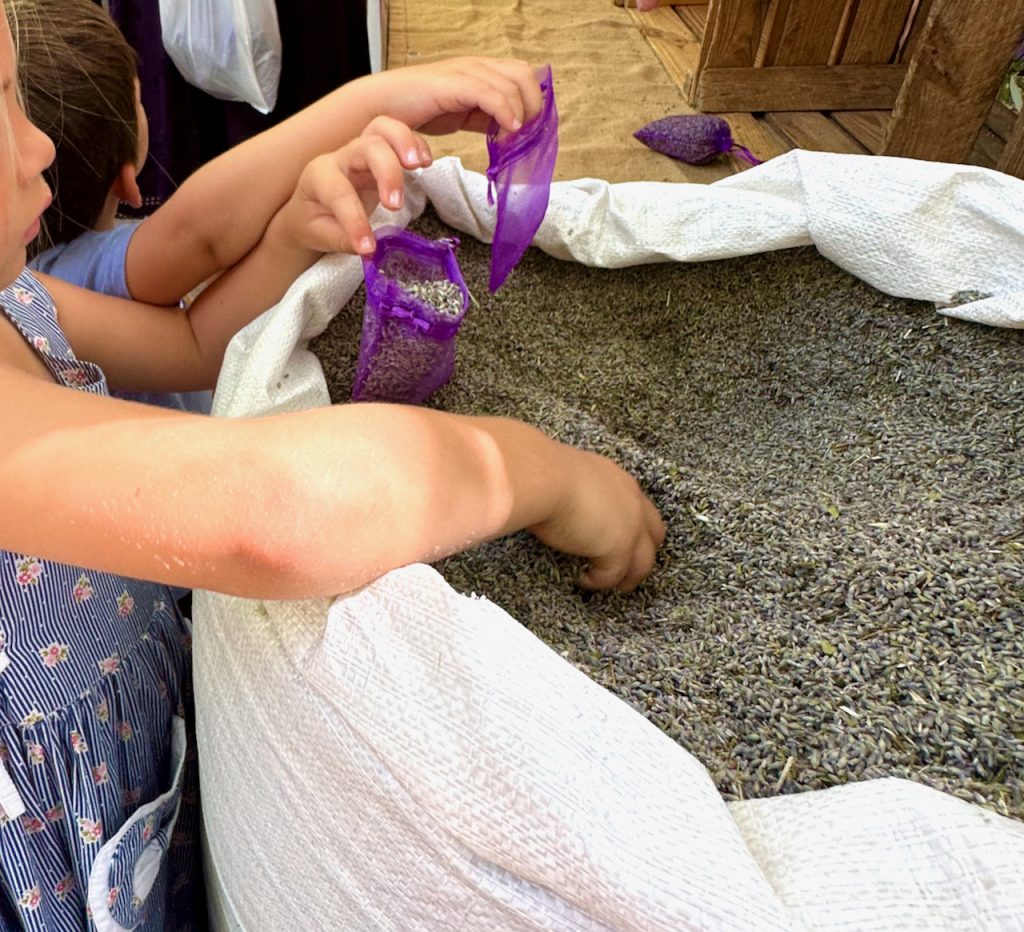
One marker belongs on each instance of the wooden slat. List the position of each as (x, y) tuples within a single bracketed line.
[(674, 44), (866, 126), (774, 27), (1012, 159), (875, 32), (953, 77), (695, 18), (1001, 120), (811, 87), (814, 131), (733, 33), (807, 33), (920, 13), (759, 136), (732, 37), (987, 149)]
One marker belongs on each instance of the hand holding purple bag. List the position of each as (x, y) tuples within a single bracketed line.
[(522, 165), (416, 296)]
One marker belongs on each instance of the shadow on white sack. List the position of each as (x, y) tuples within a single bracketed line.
[(409, 758)]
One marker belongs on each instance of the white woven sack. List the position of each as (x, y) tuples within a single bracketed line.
[(410, 758)]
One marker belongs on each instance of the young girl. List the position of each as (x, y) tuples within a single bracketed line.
[(102, 494)]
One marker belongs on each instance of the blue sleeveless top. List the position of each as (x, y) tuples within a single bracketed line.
[(95, 757)]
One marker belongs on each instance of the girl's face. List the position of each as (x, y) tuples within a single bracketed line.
[(24, 154)]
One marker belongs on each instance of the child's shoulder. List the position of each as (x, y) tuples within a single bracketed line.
[(26, 296), (93, 260)]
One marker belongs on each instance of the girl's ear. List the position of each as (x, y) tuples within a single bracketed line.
[(126, 186)]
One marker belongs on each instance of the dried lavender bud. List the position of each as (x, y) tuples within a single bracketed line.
[(696, 138), (443, 296)]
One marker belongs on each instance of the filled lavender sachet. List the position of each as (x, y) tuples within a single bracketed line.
[(521, 167), (416, 298), (695, 138)]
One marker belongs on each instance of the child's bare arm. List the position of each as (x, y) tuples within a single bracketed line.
[(143, 347), (220, 213), (297, 505)]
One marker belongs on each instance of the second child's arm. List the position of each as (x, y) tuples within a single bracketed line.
[(220, 213), (144, 347)]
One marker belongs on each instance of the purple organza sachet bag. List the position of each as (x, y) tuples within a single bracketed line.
[(520, 171), (416, 298), (696, 138)]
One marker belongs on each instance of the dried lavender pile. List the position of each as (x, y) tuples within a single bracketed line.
[(842, 473)]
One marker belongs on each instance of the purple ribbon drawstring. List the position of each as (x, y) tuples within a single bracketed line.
[(746, 154)]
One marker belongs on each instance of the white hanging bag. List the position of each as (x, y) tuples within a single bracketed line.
[(229, 48)]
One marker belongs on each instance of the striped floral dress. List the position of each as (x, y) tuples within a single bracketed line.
[(97, 776)]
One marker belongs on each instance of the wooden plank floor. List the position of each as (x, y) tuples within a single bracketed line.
[(676, 33)]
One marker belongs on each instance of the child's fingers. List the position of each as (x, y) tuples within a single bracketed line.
[(342, 226), (521, 74), (411, 148), (381, 158), (469, 92), (488, 92), (348, 184)]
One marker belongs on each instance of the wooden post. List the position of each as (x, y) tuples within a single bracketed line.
[(954, 74)]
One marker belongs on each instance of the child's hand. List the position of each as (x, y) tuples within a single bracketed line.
[(335, 195), (461, 93), (607, 518)]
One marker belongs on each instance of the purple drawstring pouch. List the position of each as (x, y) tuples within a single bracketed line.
[(519, 175), (695, 138), (416, 298)]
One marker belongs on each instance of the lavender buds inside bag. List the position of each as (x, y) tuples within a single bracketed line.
[(416, 298), (521, 167)]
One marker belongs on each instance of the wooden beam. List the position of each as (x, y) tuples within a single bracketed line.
[(808, 87), (1012, 159), (955, 72)]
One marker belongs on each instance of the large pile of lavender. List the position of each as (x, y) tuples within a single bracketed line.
[(842, 473)]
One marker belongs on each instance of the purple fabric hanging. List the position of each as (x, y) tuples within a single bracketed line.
[(522, 165)]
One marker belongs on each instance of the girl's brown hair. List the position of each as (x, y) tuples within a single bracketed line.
[(77, 75)]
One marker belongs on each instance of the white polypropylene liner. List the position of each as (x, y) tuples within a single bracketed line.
[(410, 758)]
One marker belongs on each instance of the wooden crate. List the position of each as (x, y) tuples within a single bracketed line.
[(763, 55), (921, 73)]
